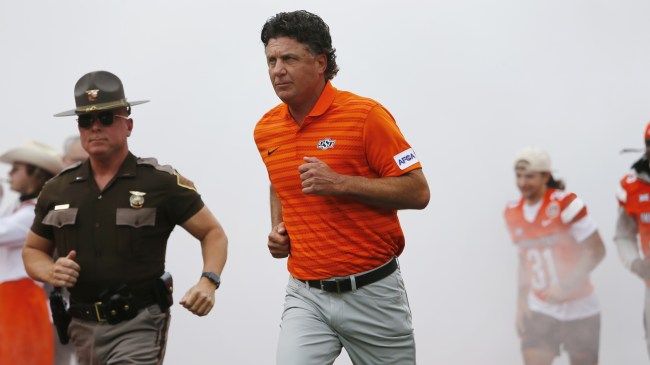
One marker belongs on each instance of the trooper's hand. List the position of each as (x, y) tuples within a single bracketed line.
[(641, 267), (65, 271), (279, 243), (200, 298)]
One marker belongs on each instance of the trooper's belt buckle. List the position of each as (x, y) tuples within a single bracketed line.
[(98, 312)]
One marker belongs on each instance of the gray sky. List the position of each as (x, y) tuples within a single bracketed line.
[(469, 82)]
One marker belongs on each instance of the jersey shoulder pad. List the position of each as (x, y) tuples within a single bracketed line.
[(631, 189), (622, 192), (511, 213), (559, 195), (629, 179), (572, 208), (512, 204)]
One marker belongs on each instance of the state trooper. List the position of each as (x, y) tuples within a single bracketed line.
[(109, 218)]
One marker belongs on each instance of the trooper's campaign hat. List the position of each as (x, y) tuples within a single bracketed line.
[(97, 91)]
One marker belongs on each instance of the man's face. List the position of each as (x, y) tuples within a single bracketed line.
[(532, 185), (19, 179), (296, 74), (101, 140)]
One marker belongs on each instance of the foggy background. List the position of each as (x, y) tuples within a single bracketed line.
[(469, 82)]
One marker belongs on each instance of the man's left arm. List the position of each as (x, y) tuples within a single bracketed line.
[(591, 254), (407, 191), (214, 247)]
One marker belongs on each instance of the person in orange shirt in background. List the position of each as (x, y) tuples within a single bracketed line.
[(634, 221), (559, 245), (339, 169)]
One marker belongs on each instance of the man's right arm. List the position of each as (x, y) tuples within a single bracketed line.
[(628, 249), (279, 243), (625, 238), (276, 207), (37, 257), (523, 287)]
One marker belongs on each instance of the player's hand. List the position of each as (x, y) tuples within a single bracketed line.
[(523, 312), (641, 267), (65, 271), (318, 178), (200, 298), (279, 243)]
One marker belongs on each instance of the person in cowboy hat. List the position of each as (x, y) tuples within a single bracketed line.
[(109, 218), (25, 328)]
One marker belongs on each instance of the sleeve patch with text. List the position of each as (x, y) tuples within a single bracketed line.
[(406, 159)]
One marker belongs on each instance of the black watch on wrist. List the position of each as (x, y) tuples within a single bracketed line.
[(213, 277)]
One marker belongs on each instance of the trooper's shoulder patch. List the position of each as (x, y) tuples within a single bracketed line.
[(153, 162), (180, 179), (184, 182), (74, 166)]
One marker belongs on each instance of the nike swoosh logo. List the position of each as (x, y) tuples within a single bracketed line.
[(270, 152)]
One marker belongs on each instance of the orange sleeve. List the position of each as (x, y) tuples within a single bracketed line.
[(573, 207), (386, 148), (623, 193)]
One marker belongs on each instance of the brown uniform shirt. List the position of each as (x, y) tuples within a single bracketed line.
[(118, 239)]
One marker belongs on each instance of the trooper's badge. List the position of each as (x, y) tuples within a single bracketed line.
[(136, 199)]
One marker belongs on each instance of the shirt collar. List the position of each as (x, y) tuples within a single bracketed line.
[(325, 99), (127, 169)]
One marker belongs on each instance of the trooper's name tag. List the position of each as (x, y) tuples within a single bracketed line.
[(61, 206)]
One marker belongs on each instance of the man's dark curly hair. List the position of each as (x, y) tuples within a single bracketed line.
[(306, 28)]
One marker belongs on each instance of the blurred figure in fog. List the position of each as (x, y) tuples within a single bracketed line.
[(634, 220), (73, 151), (25, 332), (559, 246)]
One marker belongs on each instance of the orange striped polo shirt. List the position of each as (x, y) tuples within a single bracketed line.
[(335, 235)]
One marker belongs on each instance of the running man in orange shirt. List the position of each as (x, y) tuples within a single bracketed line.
[(559, 246), (340, 169)]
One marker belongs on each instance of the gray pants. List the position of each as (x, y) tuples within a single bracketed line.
[(646, 319), (373, 323), (140, 341)]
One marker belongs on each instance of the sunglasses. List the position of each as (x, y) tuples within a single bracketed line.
[(85, 121)]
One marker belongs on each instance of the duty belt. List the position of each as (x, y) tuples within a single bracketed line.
[(341, 285), (109, 312)]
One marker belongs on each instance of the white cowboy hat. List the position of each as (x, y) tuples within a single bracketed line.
[(37, 154)]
